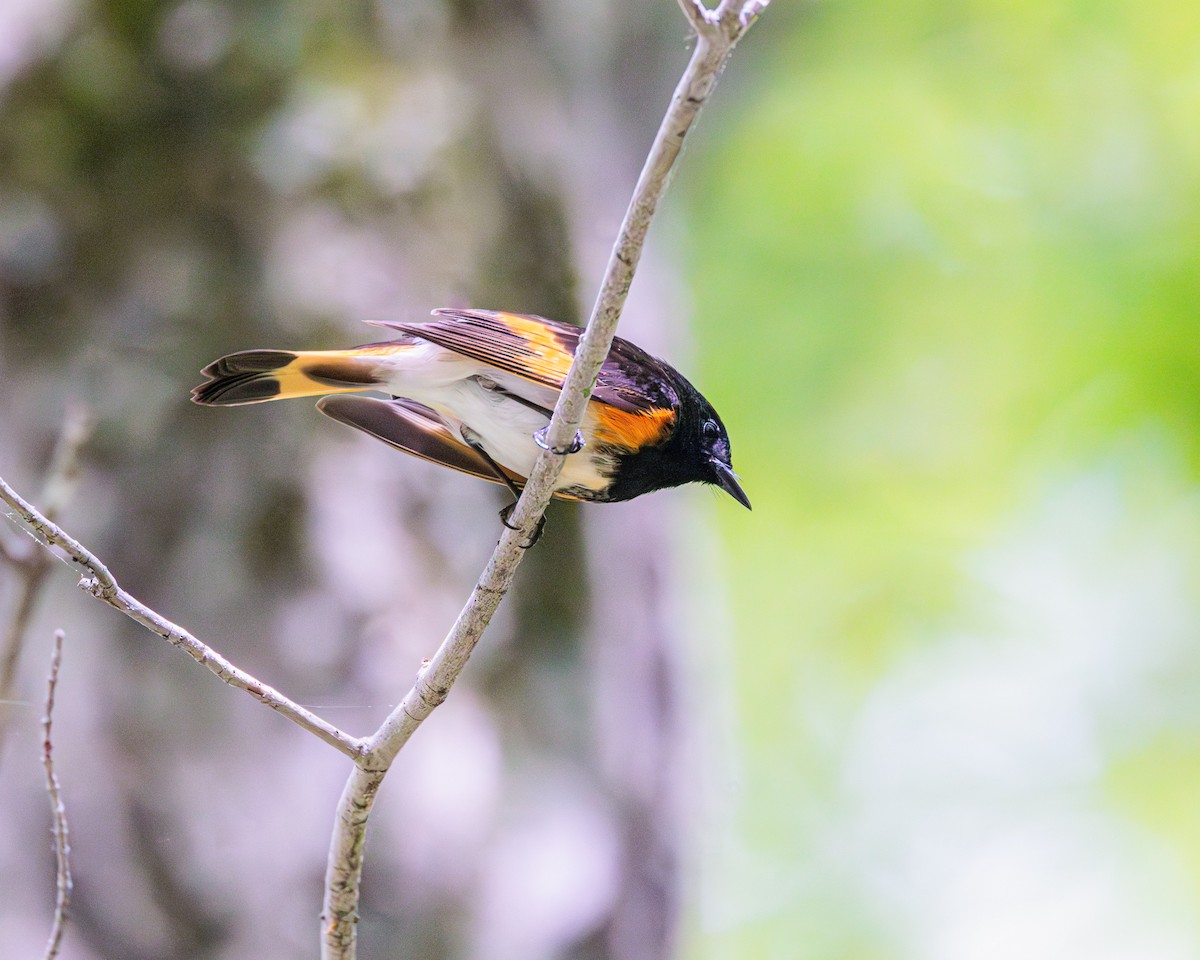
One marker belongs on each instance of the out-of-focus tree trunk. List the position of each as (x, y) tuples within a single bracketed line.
[(181, 181)]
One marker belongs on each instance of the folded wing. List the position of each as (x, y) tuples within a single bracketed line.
[(410, 427), (541, 351)]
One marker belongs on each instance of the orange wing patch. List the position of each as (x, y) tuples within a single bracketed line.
[(631, 431), (550, 356), (531, 347)]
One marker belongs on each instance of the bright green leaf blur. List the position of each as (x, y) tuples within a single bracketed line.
[(946, 262)]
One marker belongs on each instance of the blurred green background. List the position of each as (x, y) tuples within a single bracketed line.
[(945, 267), (935, 264)]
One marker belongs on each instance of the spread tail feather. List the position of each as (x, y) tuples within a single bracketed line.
[(255, 376)]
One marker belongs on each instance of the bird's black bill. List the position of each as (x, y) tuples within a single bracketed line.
[(727, 481)]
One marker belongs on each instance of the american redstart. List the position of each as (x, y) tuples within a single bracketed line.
[(474, 390)]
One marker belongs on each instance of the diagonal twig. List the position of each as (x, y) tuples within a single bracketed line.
[(717, 31), (62, 846), (96, 579), (31, 567)]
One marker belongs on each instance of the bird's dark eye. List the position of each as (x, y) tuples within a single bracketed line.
[(711, 430)]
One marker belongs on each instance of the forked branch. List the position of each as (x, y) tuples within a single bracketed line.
[(717, 31), (32, 565), (96, 579)]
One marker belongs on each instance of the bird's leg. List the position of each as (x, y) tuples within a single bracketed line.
[(504, 478), (541, 440), (507, 512)]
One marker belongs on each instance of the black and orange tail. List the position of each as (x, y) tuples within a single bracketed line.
[(255, 376)]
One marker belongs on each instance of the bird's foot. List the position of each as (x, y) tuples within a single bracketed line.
[(540, 438), (506, 515)]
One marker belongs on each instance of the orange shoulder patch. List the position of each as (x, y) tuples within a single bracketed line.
[(549, 357), (631, 431), (527, 346)]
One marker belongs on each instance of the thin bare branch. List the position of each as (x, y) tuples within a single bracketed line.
[(717, 33), (57, 491), (31, 579), (96, 579), (343, 877), (63, 473), (62, 846)]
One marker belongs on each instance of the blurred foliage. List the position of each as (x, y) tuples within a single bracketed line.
[(184, 178), (947, 283), (944, 267)]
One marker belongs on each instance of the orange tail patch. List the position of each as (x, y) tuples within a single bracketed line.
[(256, 376)]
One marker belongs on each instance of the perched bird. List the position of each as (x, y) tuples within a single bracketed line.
[(474, 390)]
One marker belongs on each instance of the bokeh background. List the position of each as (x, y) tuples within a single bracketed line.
[(938, 696)]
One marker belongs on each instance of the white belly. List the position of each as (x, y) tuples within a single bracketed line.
[(450, 385)]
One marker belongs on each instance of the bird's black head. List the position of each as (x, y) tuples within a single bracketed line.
[(695, 451), (708, 449)]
